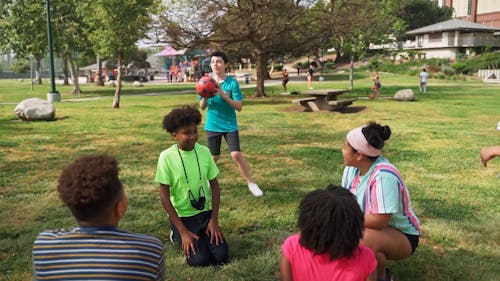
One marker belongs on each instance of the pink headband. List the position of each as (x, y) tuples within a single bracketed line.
[(358, 141)]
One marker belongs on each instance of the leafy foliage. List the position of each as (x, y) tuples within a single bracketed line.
[(116, 26), (20, 66)]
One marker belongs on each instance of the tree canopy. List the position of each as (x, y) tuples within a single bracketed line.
[(116, 26)]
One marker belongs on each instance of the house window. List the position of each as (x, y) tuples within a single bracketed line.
[(435, 37)]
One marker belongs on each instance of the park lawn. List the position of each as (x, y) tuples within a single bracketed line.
[(435, 145)]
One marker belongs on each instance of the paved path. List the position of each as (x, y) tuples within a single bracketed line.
[(266, 83)]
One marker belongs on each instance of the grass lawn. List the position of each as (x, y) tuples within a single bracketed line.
[(435, 144)]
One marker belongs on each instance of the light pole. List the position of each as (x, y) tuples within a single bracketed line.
[(53, 95)]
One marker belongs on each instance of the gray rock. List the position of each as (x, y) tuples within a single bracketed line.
[(404, 95), (137, 84), (35, 109)]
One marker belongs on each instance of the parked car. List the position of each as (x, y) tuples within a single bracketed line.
[(132, 78)]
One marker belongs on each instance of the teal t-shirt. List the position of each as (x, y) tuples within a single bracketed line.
[(221, 117), (382, 191), (171, 172)]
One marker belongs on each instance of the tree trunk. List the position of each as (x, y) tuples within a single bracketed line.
[(338, 55), (272, 68), (74, 75), (116, 98), (65, 71), (38, 76), (260, 68), (351, 69), (98, 81)]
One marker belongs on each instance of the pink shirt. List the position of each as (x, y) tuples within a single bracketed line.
[(306, 266)]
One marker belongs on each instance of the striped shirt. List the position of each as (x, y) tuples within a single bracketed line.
[(382, 191), (97, 253)]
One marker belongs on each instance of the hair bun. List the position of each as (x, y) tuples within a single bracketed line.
[(386, 133)]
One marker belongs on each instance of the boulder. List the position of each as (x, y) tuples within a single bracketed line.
[(404, 95), (137, 84), (35, 109)]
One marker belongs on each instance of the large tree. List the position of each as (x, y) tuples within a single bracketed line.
[(412, 14), (70, 36), (259, 27), (117, 25), (24, 31), (269, 29)]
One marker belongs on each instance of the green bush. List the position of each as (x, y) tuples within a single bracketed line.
[(439, 76), (461, 67), (412, 72), (329, 65), (374, 64), (449, 70), (20, 66)]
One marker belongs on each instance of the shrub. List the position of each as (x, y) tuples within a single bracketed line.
[(20, 67), (374, 64), (329, 65), (461, 67), (449, 71), (412, 72), (440, 76)]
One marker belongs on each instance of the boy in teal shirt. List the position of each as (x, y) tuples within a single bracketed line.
[(189, 190), (221, 118)]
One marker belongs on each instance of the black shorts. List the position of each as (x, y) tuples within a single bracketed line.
[(413, 241), (214, 140)]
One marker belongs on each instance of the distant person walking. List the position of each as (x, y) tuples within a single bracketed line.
[(423, 81), (310, 76), (284, 75), (376, 85)]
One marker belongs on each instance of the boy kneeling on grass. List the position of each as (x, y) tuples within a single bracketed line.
[(192, 205)]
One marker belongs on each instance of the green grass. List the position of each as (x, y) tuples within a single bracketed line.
[(435, 144)]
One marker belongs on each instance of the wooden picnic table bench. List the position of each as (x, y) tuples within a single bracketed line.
[(324, 99)]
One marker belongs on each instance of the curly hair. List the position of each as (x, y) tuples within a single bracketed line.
[(376, 134), (180, 117), (90, 186), (330, 222)]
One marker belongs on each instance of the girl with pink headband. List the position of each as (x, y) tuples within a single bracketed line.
[(392, 229)]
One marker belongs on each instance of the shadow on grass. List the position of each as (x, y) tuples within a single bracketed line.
[(351, 109)]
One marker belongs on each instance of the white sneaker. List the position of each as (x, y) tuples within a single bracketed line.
[(171, 236), (254, 188)]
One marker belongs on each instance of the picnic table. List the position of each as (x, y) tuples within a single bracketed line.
[(324, 99)]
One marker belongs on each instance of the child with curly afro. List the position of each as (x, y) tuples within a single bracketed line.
[(327, 246), (97, 249), (189, 191)]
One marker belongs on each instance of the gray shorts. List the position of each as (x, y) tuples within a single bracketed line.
[(214, 140)]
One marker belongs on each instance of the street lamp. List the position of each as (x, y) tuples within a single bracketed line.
[(53, 95)]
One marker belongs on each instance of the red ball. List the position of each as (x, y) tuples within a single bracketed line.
[(206, 87)]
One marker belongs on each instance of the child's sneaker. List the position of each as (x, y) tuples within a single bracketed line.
[(254, 188)]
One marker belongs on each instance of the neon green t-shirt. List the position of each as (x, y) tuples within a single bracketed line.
[(171, 172)]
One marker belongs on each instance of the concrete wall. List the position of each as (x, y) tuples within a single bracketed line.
[(450, 53)]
